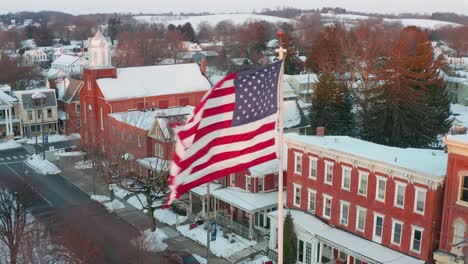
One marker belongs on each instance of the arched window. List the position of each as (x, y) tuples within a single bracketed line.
[(459, 229)]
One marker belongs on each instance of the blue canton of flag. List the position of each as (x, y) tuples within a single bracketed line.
[(256, 94)]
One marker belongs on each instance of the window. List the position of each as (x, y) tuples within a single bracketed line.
[(232, 179), (400, 194), (297, 195), (77, 108), (297, 163), (360, 218), (328, 172), (248, 183), (362, 186), (327, 206), (49, 113), (397, 229), (416, 239), (312, 168), (139, 141), (419, 200), (346, 178), (122, 136), (378, 227), (357, 261), (261, 184), (300, 251), (381, 188), (342, 256), (344, 213), (311, 203), (159, 150), (459, 230), (78, 123), (308, 254), (39, 113), (464, 189)]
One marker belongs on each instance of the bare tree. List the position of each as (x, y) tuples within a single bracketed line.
[(17, 73)]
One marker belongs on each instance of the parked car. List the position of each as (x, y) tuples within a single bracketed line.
[(180, 257)]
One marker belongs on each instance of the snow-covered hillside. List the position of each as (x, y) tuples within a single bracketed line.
[(422, 23), (211, 19)]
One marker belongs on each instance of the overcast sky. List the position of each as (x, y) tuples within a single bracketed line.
[(154, 6)]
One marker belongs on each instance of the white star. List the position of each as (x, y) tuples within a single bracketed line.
[(247, 116), (250, 94), (241, 96), (249, 105), (240, 107), (255, 87), (243, 112)]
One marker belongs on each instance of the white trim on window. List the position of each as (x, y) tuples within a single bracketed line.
[(325, 199), (313, 167), (413, 230), (102, 118), (346, 173), (310, 193), (394, 223), (417, 192), (377, 196), (344, 217), (232, 179), (248, 183), (298, 163), (297, 190), (325, 172), (375, 238), (398, 187), (358, 211), (363, 175), (261, 180)]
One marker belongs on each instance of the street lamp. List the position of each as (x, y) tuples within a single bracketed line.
[(39, 99)]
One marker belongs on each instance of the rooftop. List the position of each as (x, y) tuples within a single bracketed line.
[(246, 200), (427, 161), (154, 81), (66, 60)]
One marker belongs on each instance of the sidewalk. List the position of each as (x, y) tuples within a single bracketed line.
[(88, 182)]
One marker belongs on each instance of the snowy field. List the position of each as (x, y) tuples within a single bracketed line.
[(152, 241), (52, 139), (168, 217), (422, 23), (42, 166), (9, 145), (222, 247), (210, 19)]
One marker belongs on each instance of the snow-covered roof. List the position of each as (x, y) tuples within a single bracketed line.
[(305, 78), (360, 246), (202, 190), (153, 81), (144, 120), (62, 115), (246, 200), (55, 73), (169, 61), (461, 138), (274, 43), (66, 60), (4, 97), (427, 161), (241, 61), (209, 53), (459, 114), (154, 163), (291, 114)]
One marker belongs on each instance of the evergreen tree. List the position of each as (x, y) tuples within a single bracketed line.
[(411, 107), (188, 32), (289, 241), (332, 106), (114, 27)]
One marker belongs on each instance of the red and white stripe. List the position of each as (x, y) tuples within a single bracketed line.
[(208, 148)]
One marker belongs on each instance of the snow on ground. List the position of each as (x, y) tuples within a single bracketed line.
[(168, 217), (100, 198), (138, 201), (152, 241), (52, 139), (221, 247), (257, 260), (211, 19), (75, 136), (67, 154), (114, 205), (200, 259), (120, 192), (42, 166), (84, 164), (9, 145)]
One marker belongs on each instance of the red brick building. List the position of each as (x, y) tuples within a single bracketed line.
[(454, 231), (68, 104), (108, 90), (358, 202)]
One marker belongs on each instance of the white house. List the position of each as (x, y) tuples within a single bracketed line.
[(70, 64), (36, 56)]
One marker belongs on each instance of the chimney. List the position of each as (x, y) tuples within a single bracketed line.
[(320, 132), (203, 67)]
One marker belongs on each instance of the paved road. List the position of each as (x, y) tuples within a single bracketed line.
[(68, 212)]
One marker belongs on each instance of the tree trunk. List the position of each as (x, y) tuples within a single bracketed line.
[(151, 210), (13, 254)]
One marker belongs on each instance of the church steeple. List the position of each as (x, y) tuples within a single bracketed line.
[(99, 51)]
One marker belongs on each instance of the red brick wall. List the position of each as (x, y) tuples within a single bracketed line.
[(431, 218), (457, 165), (71, 125)]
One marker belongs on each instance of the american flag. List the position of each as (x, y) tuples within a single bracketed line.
[(232, 128)]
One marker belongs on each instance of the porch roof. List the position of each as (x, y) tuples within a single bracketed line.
[(154, 163), (362, 248), (247, 201), (202, 190)]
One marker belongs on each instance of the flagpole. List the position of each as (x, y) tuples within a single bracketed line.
[(208, 224), (281, 54)]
